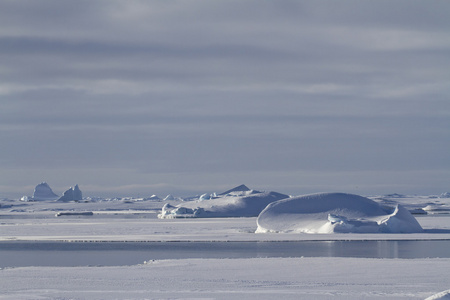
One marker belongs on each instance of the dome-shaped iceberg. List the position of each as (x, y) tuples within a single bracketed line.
[(334, 212)]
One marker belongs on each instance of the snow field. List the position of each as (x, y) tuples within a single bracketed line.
[(249, 278), (255, 278)]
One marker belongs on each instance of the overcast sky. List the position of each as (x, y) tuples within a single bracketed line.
[(185, 97)]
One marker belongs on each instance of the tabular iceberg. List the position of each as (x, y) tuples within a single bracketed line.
[(334, 212)]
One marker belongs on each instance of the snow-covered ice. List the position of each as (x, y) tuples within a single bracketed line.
[(335, 212), (254, 278), (135, 219), (238, 202)]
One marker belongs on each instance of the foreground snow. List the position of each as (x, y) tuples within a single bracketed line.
[(335, 212), (257, 278)]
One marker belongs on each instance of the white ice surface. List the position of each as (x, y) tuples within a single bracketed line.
[(135, 220), (335, 212), (252, 278), (234, 204), (255, 278)]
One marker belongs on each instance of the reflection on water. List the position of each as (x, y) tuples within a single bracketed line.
[(15, 254)]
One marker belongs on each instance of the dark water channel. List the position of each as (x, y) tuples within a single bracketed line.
[(18, 254)]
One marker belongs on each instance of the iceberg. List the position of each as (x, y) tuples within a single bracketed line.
[(43, 192), (444, 195), (169, 197), (335, 212), (72, 194), (232, 204), (440, 296), (241, 188)]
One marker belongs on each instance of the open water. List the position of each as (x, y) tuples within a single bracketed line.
[(19, 254)]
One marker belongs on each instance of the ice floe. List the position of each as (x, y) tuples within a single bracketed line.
[(335, 212)]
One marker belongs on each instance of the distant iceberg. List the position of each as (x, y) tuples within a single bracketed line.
[(440, 296), (72, 194), (233, 203), (169, 197), (43, 192), (334, 212), (445, 195), (241, 188)]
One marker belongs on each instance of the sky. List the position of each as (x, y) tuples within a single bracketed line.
[(135, 98)]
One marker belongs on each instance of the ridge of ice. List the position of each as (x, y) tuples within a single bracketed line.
[(334, 212)]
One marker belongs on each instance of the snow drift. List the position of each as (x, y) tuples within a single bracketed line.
[(335, 212), (233, 204)]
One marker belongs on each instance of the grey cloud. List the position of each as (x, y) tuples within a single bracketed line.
[(234, 89)]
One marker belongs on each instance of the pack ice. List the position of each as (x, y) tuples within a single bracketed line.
[(335, 212), (237, 202)]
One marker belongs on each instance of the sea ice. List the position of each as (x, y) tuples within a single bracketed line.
[(335, 212)]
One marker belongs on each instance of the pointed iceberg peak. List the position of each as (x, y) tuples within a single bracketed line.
[(72, 194), (77, 195), (241, 188), (43, 192)]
